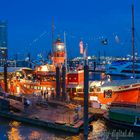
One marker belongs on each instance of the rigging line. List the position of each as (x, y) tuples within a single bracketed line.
[(38, 38), (124, 45)]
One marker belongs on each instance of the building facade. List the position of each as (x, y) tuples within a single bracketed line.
[(3, 41)]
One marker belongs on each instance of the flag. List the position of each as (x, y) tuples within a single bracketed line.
[(85, 52), (81, 47)]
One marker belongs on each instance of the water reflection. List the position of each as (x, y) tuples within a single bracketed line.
[(34, 135), (99, 128), (13, 130), (14, 133), (19, 131)]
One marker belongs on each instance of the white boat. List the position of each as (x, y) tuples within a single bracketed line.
[(123, 68)]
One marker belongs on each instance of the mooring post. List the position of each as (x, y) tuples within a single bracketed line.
[(64, 83), (5, 78), (57, 82), (86, 86)]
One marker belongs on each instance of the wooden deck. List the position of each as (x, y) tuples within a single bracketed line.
[(47, 116)]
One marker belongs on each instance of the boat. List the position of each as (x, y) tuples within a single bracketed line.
[(123, 68), (43, 77), (125, 114), (103, 93), (106, 92)]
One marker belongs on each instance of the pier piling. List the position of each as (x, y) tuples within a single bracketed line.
[(86, 80), (5, 78), (57, 82)]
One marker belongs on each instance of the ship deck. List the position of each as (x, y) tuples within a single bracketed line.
[(121, 82)]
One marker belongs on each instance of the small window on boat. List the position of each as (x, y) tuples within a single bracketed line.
[(79, 90), (138, 121), (73, 90), (91, 89), (108, 94), (35, 87), (98, 89)]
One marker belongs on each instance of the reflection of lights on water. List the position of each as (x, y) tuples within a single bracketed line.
[(14, 124), (14, 133), (98, 129), (34, 135)]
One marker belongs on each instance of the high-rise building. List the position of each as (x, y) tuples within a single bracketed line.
[(3, 41)]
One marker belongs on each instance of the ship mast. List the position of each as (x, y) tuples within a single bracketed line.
[(133, 42), (65, 50), (52, 35)]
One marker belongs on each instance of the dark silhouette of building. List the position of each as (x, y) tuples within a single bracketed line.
[(3, 41)]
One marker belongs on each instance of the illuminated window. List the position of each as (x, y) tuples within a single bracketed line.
[(108, 94)]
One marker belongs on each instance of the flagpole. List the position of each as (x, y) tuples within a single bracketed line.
[(85, 55)]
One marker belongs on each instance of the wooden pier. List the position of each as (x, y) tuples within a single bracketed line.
[(57, 117)]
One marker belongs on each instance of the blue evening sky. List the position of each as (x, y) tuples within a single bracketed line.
[(29, 25)]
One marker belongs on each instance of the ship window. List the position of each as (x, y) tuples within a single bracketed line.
[(79, 90), (35, 87), (138, 121), (98, 89), (108, 94), (73, 90), (91, 89)]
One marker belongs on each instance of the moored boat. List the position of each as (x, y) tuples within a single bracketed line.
[(125, 114)]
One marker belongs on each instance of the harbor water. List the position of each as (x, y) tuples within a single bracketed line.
[(13, 130)]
